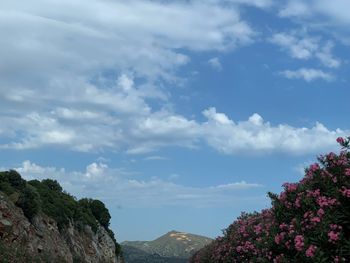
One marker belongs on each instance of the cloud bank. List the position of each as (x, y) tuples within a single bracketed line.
[(85, 76), (121, 188)]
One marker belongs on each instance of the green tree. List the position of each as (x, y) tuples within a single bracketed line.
[(29, 201), (52, 185), (15, 179), (100, 212)]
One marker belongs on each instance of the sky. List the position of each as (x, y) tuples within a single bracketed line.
[(177, 114)]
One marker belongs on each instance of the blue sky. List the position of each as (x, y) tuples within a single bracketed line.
[(177, 114)]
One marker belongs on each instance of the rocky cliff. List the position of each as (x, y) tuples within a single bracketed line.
[(41, 240), (40, 222)]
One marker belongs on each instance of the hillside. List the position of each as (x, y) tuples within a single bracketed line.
[(172, 247), (39, 222)]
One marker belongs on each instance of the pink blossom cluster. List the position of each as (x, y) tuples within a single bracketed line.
[(345, 191), (347, 171), (299, 242), (310, 252), (290, 187), (324, 201), (308, 221)]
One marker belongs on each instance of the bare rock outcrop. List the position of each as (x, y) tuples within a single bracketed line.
[(41, 241)]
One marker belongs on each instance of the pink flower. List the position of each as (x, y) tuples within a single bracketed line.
[(257, 229), (299, 242), (283, 226), (347, 172), (340, 140), (320, 212), (333, 236), (335, 227), (315, 193), (279, 237), (315, 220), (298, 202), (290, 187), (314, 167), (324, 201), (310, 252), (287, 244), (345, 192)]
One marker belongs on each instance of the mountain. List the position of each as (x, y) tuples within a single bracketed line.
[(39, 222), (173, 247)]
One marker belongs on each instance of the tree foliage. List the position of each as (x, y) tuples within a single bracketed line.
[(29, 201)]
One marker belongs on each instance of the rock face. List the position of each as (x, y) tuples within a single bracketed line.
[(41, 241)]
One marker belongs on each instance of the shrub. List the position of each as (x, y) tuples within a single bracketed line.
[(100, 212), (55, 204), (308, 222), (29, 201), (11, 181), (85, 215), (15, 179), (52, 185)]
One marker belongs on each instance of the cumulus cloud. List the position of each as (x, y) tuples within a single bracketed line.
[(307, 74), (305, 47), (144, 131), (122, 188), (256, 135), (83, 76), (79, 74)]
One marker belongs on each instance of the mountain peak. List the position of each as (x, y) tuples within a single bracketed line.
[(174, 244)]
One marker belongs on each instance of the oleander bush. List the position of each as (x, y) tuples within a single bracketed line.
[(308, 222)]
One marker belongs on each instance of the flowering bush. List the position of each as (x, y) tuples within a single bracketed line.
[(308, 222)]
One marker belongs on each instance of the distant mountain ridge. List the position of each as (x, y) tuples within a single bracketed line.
[(173, 247)]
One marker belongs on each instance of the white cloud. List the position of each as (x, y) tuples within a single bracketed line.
[(238, 185), (215, 63), (295, 8), (156, 158), (81, 76), (335, 12), (258, 136), (326, 57), (60, 62), (147, 131), (297, 48), (78, 39), (95, 170), (122, 188), (305, 47), (257, 3), (307, 74)]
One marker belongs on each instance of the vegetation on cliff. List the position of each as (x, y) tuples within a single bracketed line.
[(48, 197), (308, 222)]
